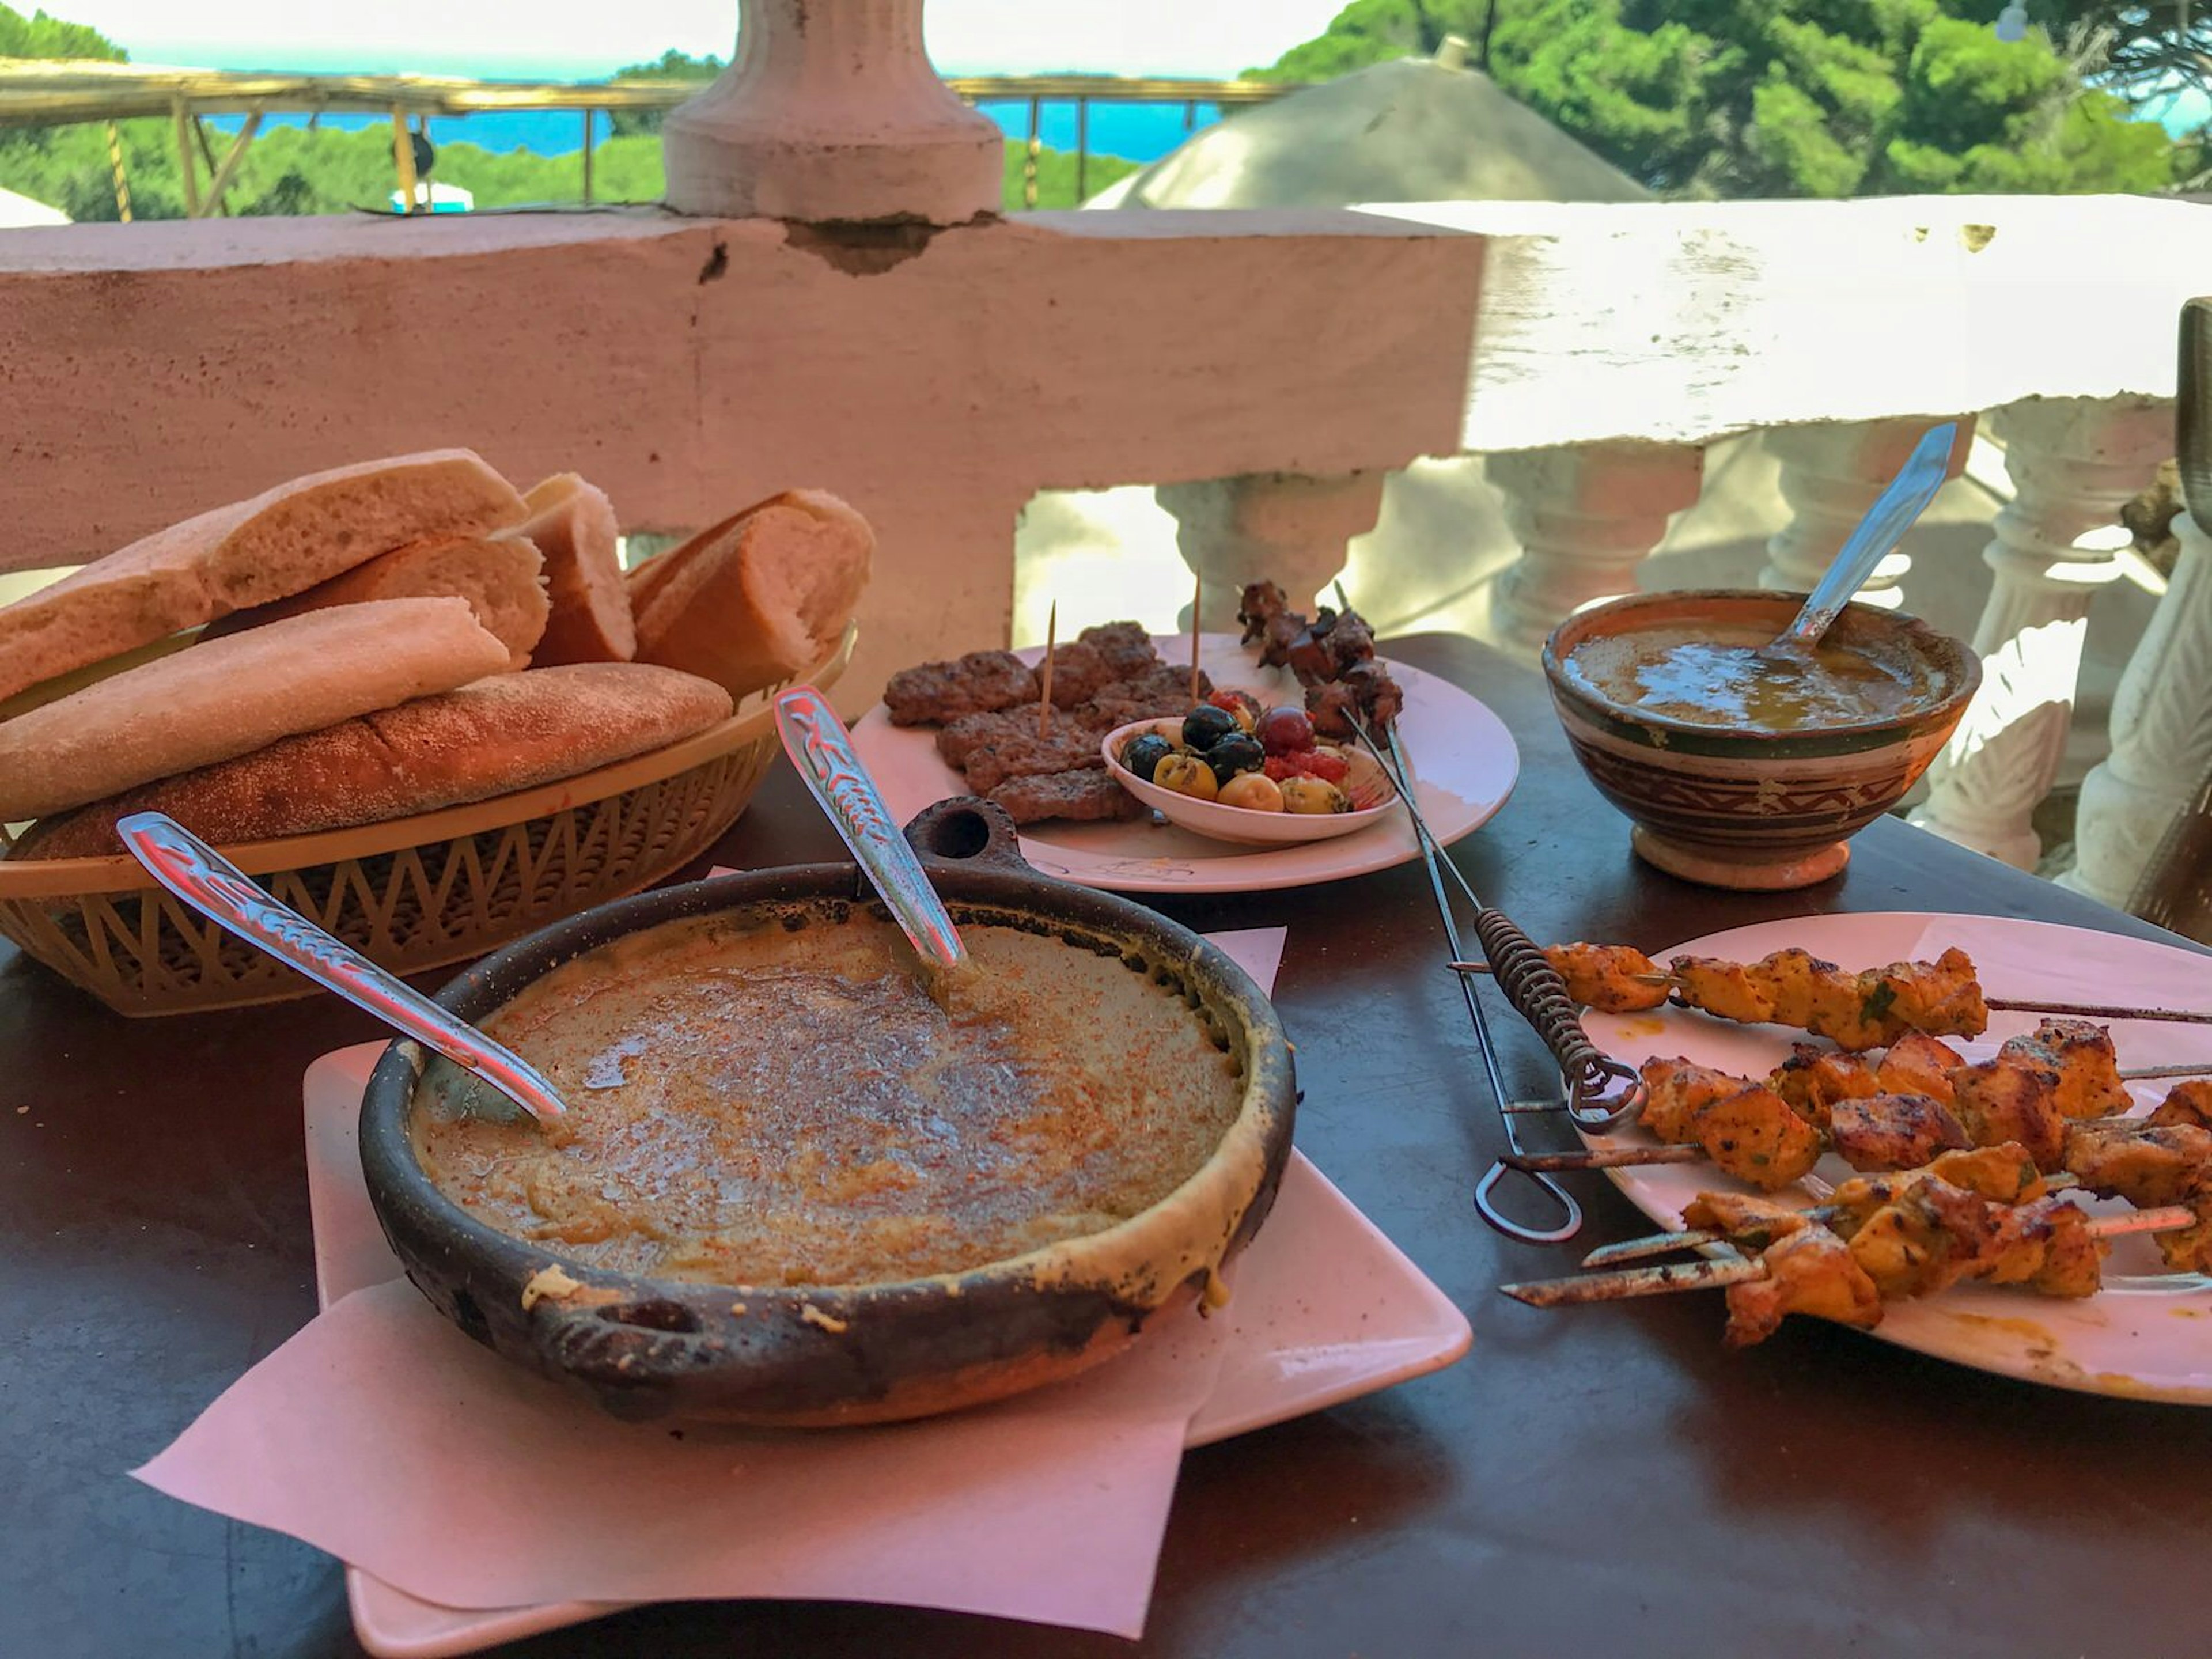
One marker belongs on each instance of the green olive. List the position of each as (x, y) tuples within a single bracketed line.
[(1187, 775), (1255, 792), (1313, 795)]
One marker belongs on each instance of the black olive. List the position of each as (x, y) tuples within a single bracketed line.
[(1236, 753), (1143, 754), (1205, 726)]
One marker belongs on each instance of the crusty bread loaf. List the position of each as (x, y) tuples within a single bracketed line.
[(283, 541), (642, 582), (573, 527), (507, 732), (758, 596), (225, 697), (501, 577)]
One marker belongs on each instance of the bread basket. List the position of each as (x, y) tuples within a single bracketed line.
[(411, 893)]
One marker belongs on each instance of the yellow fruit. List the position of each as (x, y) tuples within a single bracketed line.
[(1255, 792), (1187, 775), (1313, 795)]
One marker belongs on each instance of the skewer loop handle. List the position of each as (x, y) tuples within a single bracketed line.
[(1485, 1206), (1601, 1092)]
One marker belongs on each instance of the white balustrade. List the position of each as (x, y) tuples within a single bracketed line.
[(1287, 528), (1831, 475), (2161, 733), (829, 111), (2073, 462), (1586, 516)]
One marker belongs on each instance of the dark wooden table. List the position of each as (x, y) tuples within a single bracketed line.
[(1599, 1482)]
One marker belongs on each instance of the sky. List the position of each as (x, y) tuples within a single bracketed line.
[(581, 39)]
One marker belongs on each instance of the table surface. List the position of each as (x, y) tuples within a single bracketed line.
[(1587, 1481)]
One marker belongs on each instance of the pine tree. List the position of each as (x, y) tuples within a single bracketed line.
[(1748, 98)]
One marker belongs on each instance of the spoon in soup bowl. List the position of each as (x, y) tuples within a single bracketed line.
[(822, 750), (188, 867)]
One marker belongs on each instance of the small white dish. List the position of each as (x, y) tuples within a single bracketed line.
[(1369, 786)]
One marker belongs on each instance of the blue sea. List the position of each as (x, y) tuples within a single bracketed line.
[(1138, 132)]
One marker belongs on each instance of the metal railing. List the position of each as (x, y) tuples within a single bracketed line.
[(41, 93)]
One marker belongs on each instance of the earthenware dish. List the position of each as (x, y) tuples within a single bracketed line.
[(827, 1354), (1748, 809)]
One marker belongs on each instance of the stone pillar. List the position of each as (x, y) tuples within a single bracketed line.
[(830, 111), (1285, 528), (2161, 734), (2073, 462), (1831, 475), (1586, 516)]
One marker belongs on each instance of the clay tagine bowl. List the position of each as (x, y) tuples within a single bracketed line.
[(1755, 808), (820, 1354)]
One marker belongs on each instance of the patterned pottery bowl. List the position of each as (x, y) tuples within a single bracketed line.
[(1731, 807)]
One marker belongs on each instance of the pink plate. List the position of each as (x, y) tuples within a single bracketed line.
[(1325, 1308)]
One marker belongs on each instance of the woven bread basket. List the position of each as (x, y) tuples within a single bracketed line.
[(411, 893)]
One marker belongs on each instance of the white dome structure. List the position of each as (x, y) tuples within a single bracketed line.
[(1414, 130)]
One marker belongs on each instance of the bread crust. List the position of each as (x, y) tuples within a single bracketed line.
[(225, 697), (758, 596), (502, 578), (497, 735), (280, 542), (574, 525)]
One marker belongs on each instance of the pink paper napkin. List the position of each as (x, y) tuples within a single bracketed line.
[(380, 1434)]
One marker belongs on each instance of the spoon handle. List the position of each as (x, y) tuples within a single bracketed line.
[(822, 750), (1893, 513), (219, 891)]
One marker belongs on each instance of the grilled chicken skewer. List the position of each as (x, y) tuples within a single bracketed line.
[(1856, 1011), (1886, 1238), (1923, 1098), (2152, 1163)]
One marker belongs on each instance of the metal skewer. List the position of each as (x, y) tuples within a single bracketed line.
[(2003, 1005), (1432, 856), (1624, 1283)]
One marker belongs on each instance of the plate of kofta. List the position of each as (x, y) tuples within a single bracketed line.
[(976, 725)]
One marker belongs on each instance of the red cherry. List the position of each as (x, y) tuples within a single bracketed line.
[(1284, 731)]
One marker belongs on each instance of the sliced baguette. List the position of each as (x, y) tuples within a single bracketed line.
[(279, 543), (573, 527), (507, 732), (501, 577), (226, 697), (760, 596)]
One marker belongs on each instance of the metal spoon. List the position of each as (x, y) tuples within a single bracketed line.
[(1895, 512), (220, 890), (822, 750)]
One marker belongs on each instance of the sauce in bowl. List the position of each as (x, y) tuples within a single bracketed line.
[(1732, 675), (784, 1104)]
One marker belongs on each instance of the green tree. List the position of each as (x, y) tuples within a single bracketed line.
[(672, 65), (41, 36), (1748, 98)]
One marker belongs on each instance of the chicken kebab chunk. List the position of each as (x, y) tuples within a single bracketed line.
[(1896, 1114), (1870, 1009), (1888, 1238)]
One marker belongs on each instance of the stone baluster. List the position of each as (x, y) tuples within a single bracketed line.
[(830, 111), (1586, 516), (1284, 527), (2161, 733), (1830, 476), (2074, 461)]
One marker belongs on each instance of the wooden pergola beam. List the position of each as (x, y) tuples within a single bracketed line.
[(228, 171)]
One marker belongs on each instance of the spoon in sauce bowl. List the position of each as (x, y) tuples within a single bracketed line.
[(822, 750), (1895, 511)]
